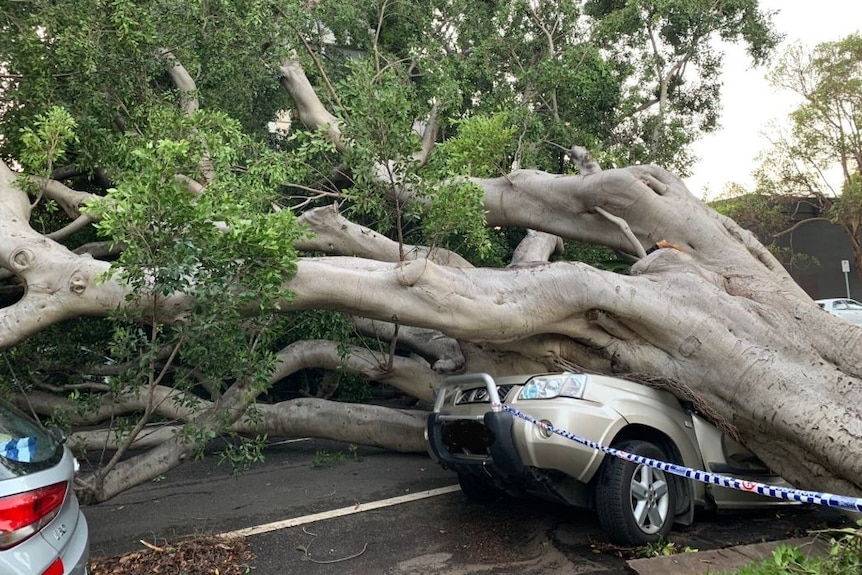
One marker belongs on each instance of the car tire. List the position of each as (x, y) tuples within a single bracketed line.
[(635, 502), (477, 490)]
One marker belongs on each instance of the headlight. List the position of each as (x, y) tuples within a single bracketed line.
[(548, 386)]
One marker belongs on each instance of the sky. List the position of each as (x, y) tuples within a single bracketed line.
[(750, 103)]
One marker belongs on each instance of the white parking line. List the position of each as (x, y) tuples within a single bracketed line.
[(358, 508)]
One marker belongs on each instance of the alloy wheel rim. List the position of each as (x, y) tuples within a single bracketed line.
[(650, 499)]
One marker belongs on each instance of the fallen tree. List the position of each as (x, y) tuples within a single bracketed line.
[(686, 308), (215, 245)]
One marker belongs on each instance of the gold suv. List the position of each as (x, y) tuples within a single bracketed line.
[(495, 452)]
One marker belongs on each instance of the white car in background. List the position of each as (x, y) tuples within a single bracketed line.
[(42, 529), (847, 309)]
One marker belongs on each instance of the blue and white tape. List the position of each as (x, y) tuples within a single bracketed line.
[(817, 498)]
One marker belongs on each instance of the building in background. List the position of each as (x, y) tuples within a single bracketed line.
[(821, 275)]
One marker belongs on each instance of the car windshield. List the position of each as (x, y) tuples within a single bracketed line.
[(25, 446)]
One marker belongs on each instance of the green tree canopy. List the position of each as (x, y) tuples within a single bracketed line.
[(820, 155)]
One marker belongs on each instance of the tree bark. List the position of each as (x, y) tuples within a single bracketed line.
[(393, 429)]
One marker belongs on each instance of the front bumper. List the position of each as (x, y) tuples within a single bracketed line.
[(483, 447)]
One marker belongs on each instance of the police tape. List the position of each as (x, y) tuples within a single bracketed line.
[(788, 494)]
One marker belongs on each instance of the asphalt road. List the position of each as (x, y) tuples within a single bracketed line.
[(438, 535)]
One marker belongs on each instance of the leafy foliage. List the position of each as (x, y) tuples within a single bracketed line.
[(848, 207), (67, 353), (844, 556), (762, 214), (825, 133), (597, 256), (171, 247), (482, 148), (768, 216), (655, 41), (46, 143)]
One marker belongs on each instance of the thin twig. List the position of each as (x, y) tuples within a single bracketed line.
[(330, 561), (151, 546)]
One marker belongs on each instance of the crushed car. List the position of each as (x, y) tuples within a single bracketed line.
[(495, 453)]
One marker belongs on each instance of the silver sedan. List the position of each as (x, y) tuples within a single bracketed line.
[(42, 529)]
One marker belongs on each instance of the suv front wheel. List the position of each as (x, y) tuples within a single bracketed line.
[(635, 502)]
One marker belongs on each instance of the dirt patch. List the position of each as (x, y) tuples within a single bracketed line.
[(205, 556)]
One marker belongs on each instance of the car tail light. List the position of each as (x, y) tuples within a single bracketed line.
[(24, 514), (56, 568)]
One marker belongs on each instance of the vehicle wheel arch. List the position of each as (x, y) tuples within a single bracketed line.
[(685, 496)]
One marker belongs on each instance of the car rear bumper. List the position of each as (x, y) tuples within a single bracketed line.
[(77, 551), (36, 554)]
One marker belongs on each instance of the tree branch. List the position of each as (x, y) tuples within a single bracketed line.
[(69, 200), (182, 80), (189, 103), (442, 352), (536, 247), (312, 113), (334, 234)]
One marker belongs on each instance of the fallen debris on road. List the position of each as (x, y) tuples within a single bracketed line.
[(203, 556)]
